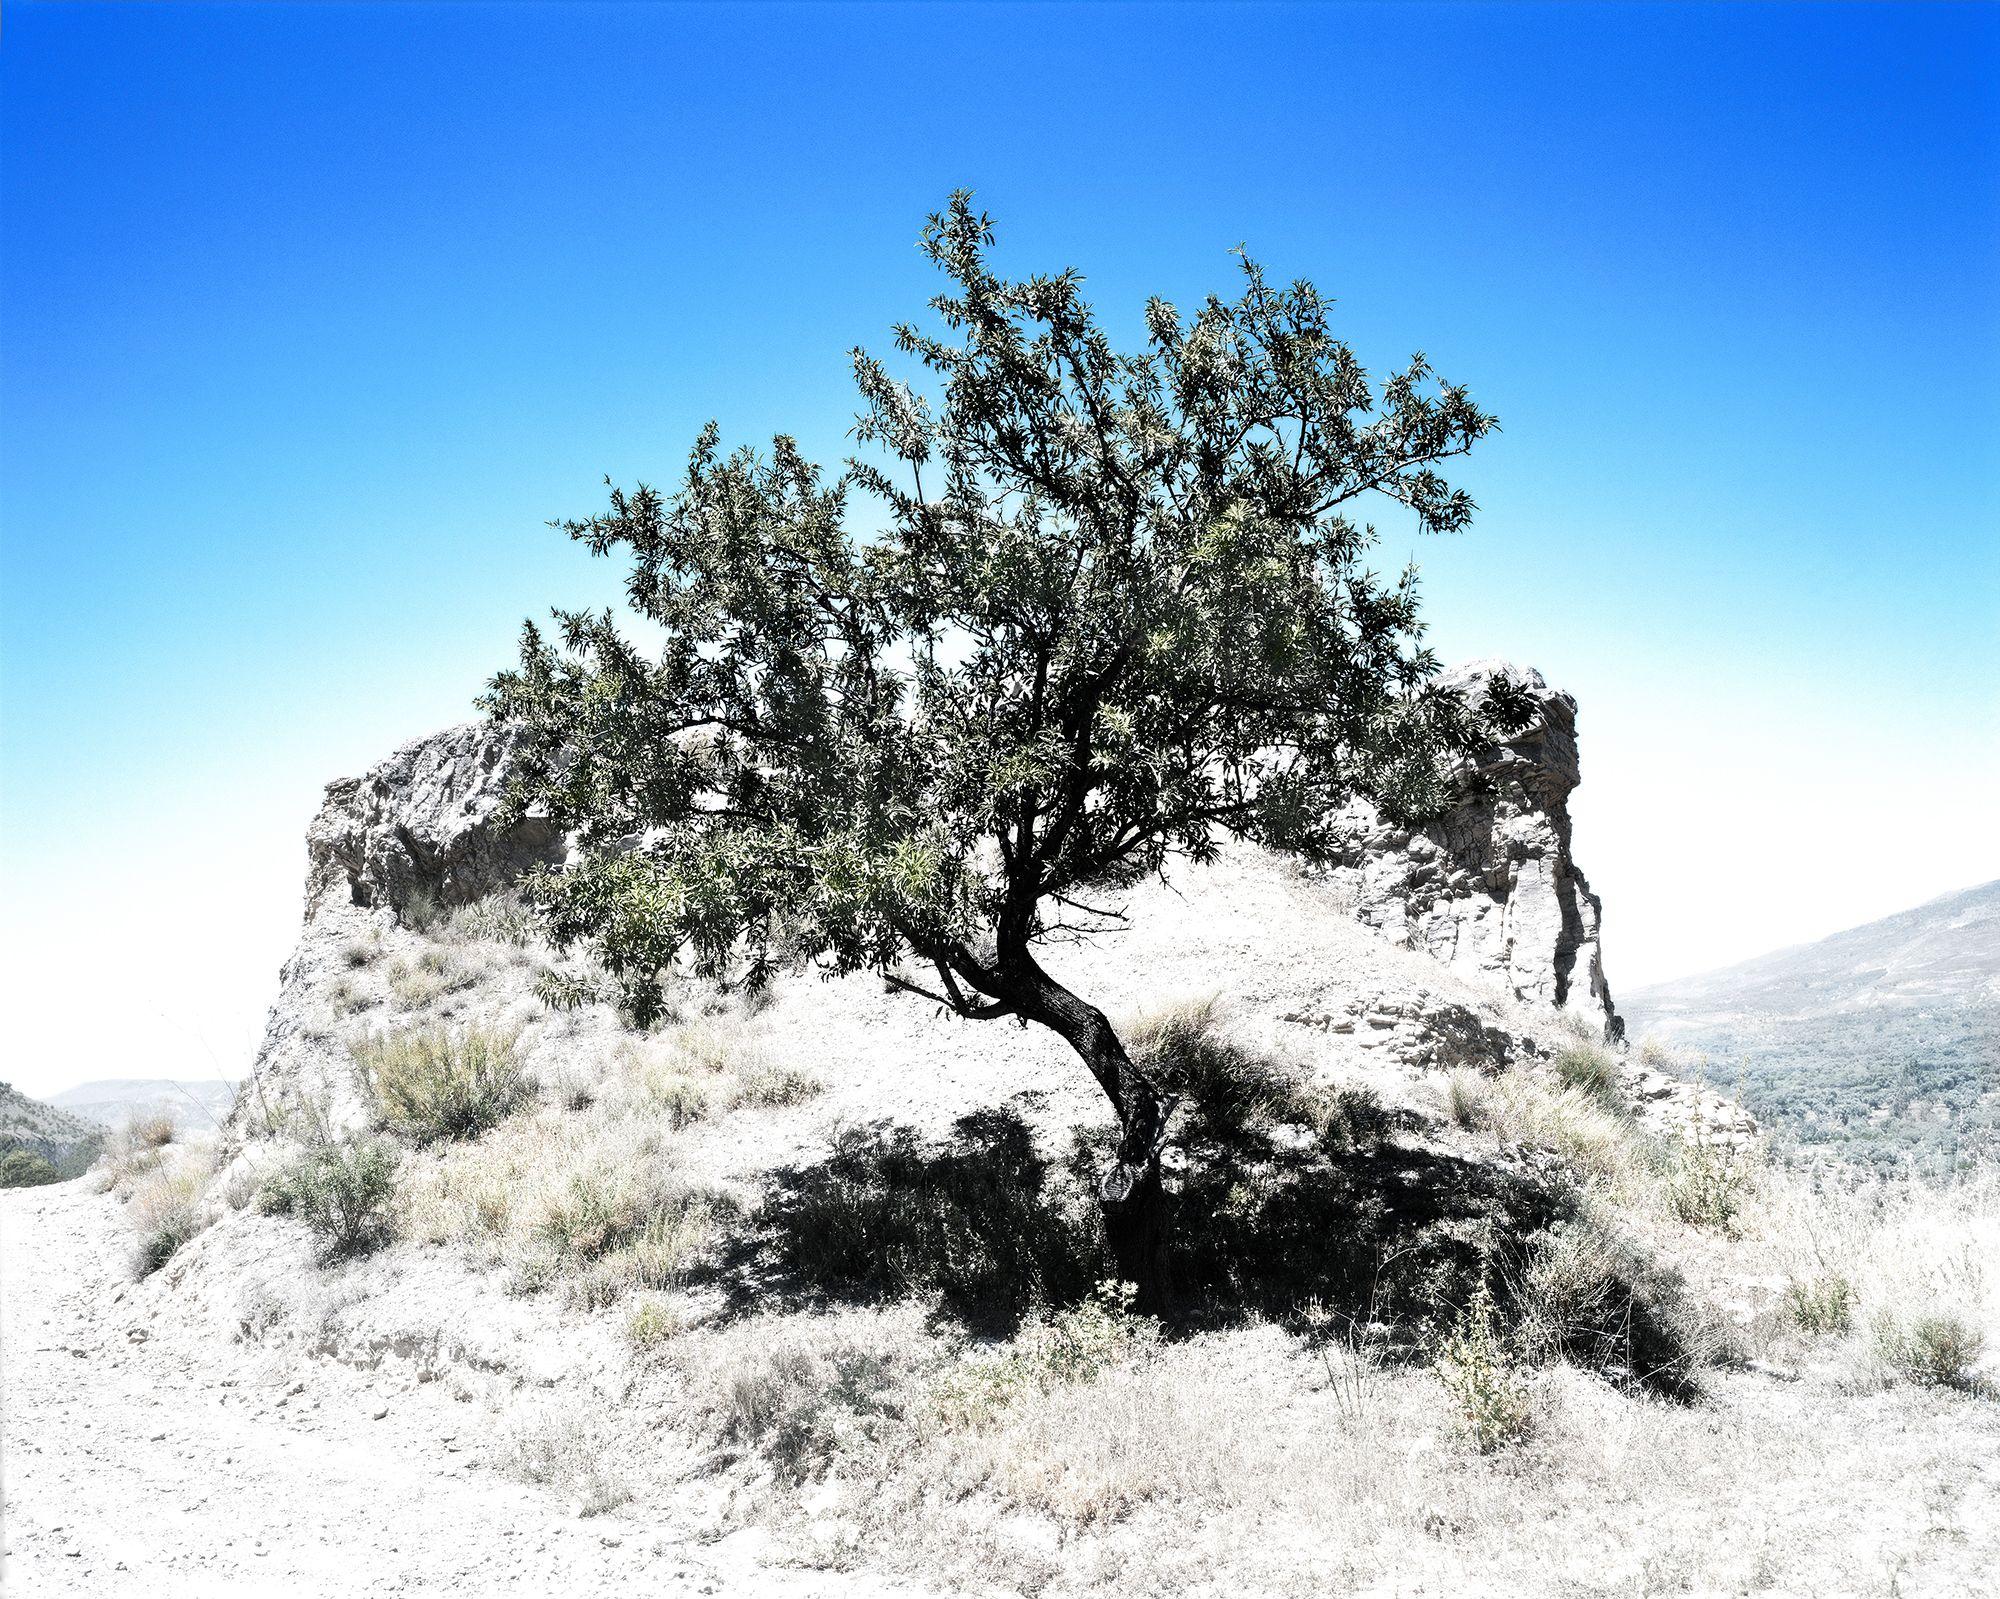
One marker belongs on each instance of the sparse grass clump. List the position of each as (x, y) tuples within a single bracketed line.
[(1931, 1348), (342, 1188), (166, 1210), (771, 1085), (1071, 1346), (497, 919), (1587, 1069), (421, 983), (1465, 1099), (155, 1130), (421, 911), (1491, 1398), (586, 1198), (434, 1083), (554, 1448), (1821, 1303)]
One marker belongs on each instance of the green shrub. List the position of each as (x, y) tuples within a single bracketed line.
[(432, 1084), (341, 1188), (1705, 1184), (1821, 1304), (23, 1168), (1934, 1349), (652, 1322), (1473, 1364), (1589, 1070)]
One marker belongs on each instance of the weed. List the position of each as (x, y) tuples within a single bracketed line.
[(1823, 1303), (1472, 1362), (1933, 1349), (433, 1084)]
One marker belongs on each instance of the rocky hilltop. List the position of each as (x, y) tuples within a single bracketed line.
[(1470, 942)]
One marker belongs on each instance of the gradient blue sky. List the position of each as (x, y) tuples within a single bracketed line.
[(312, 314)]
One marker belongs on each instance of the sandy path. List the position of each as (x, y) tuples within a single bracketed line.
[(140, 1459)]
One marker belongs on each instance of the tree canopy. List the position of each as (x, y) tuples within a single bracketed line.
[(1069, 613)]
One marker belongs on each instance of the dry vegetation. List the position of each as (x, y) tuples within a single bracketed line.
[(1613, 1369)]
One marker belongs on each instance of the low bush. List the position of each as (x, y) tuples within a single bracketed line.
[(554, 1448), (1822, 1303), (1487, 1391), (433, 1083), (341, 1188), (1585, 1292), (1705, 1184), (1933, 1349), (652, 1322), (23, 1168)]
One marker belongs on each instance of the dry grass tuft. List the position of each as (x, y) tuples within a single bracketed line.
[(166, 1208), (433, 1083), (552, 1446)]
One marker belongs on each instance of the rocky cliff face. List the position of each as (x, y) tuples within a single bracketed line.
[(1491, 890)]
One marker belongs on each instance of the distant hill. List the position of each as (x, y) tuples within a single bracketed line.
[(1881, 1044), (66, 1141), (197, 1106)]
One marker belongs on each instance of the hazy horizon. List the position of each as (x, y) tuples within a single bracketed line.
[(312, 320)]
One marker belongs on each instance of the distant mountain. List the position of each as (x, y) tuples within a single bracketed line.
[(1881, 1044), (66, 1141), (195, 1106)]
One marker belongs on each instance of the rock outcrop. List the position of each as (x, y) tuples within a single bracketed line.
[(1491, 890), (423, 822)]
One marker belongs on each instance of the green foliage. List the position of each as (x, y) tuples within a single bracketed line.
[(1486, 1388), (23, 1168), (342, 1188), (1588, 1069), (433, 1083), (1071, 1346), (1705, 1183), (1934, 1349), (1106, 605), (1823, 1303)]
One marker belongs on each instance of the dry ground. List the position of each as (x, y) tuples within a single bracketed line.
[(145, 1457)]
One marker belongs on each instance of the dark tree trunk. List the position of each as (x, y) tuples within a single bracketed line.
[(1129, 1191)]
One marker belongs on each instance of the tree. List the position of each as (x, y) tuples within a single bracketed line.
[(1112, 606)]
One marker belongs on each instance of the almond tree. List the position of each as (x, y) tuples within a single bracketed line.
[(1077, 613)]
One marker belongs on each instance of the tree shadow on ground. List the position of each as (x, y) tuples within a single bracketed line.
[(1320, 1222)]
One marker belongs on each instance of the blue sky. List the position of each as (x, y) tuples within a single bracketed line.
[(310, 316)]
